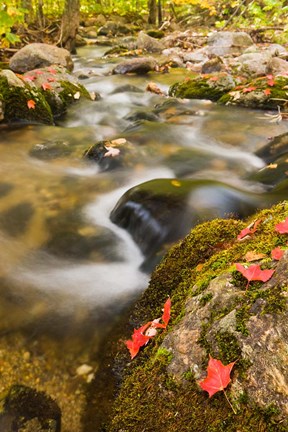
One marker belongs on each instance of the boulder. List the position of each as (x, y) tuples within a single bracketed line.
[(213, 314), (138, 66), (149, 44), (38, 55), (212, 87), (253, 64), (24, 408), (277, 66), (228, 43)]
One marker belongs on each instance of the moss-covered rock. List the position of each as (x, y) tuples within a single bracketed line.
[(211, 87), (263, 92), (39, 95), (14, 97), (212, 314)]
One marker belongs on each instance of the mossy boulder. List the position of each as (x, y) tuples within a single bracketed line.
[(14, 96), (39, 95), (211, 87), (213, 313), (264, 92)]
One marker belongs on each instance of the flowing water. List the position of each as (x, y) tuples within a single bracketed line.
[(64, 265)]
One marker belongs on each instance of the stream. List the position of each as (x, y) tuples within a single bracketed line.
[(65, 268)]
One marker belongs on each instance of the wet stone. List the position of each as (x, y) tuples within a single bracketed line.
[(50, 150), (26, 409), (15, 220), (5, 188)]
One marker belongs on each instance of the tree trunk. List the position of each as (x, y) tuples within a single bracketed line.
[(160, 20), (28, 17), (152, 7), (70, 24)]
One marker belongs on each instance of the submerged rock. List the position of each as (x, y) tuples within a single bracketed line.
[(159, 212), (27, 409)]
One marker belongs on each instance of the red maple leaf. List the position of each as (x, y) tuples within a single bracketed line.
[(271, 82), (249, 89), (165, 317), (218, 376), (267, 91), (282, 227), (31, 104), (249, 230), (46, 86), (29, 78), (39, 72), (51, 79), (277, 253), (254, 272), (138, 340), (52, 70)]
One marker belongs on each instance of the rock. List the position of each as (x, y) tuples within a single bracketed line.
[(275, 148), (213, 314), (50, 150), (16, 219), (59, 87), (139, 66), (148, 43), (277, 66), (38, 55), (274, 173), (253, 64), (150, 210), (211, 88), (212, 65), (27, 409), (228, 43), (197, 56), (259, 93), (112, 28)]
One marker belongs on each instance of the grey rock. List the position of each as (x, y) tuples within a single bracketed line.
[(137, 65), (149, 43), (254, 64), (37, 55), (228, 43), (277, 66)]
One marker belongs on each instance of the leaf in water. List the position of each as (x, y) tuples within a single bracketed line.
[(153, 88)]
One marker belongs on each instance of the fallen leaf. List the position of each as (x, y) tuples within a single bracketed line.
[(118, 141), (277, 253), (249, 89), (249, 230), (218, 376), (153, 88), (31, 104), (267, 92), (254, 256), (111, 152), (29, 78), (176, 183), (77, 95), (271, 82), (138, 340), (282, 227), (39, 72), (51, 79), (255, 273), (46, 86)]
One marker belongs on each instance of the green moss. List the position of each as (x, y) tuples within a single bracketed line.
[(149, 395), (15, 99), (201, 88)]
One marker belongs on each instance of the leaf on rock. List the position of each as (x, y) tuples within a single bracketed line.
[(277, 253), (254, 256), (282, 227), (138, 340), (111, 152), (249, 89), (254, 272), (249, 230), (218, 376), (267, 92), (31, 104), (46, 86)]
